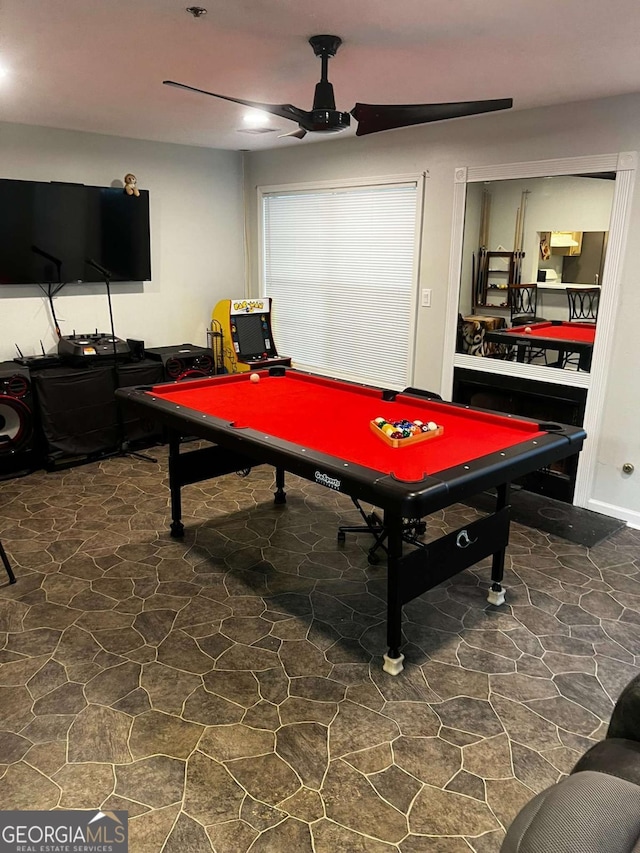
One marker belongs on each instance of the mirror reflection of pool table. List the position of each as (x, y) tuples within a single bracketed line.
[(319, 429), (559, 336)]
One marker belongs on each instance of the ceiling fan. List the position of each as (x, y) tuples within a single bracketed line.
[(371, 118)]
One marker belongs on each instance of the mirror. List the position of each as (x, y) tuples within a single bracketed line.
[(532, 268)]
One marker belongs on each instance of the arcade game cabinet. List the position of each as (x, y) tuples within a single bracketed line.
[(247, 336)]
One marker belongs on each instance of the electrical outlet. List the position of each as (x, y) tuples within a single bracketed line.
[(426, 298)]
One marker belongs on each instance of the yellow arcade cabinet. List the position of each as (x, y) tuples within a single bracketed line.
[(246, 334)]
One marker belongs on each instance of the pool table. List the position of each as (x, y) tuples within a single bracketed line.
[(320, 429), (560, 336)]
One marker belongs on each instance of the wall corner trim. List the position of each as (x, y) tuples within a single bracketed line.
[(627, 160)]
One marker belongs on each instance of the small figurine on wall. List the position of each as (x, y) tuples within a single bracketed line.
[(131, 185)]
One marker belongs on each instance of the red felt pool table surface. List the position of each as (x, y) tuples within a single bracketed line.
[(333, 417), (583, 332)]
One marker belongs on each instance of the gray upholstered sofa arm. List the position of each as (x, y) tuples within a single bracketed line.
[(597, 808), (587, 812)]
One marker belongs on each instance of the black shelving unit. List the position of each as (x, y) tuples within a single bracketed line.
[(484, 268)]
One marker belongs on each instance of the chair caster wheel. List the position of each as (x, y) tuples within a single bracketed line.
[(342, 537), (373, 559)]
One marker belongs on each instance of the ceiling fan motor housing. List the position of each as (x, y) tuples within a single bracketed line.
[(328, 121), (325, 45)]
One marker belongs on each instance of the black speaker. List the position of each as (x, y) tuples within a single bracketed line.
[(17, 449), (184, 361)]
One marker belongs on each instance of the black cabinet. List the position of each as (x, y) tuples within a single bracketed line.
[(77, 416), (543, 401)]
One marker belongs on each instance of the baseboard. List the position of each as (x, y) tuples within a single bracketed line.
[(630, 516)]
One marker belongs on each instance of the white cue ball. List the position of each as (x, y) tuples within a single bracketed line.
[(432, 425), (254, 377), (527, 330)]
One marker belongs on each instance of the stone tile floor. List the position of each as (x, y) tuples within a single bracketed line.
[(227, 689)]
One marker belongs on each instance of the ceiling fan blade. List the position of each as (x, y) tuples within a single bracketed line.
[(300, 133), (373, 118), (287, 111)]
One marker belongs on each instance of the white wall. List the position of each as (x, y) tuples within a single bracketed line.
[(553, 204), (592, 127), (195, 197)]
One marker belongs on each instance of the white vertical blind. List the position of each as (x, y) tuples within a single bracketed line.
[(341, 266)]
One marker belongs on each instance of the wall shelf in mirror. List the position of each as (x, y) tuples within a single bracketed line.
[(505, 265)]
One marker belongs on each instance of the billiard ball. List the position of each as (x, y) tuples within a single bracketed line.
[(527, 330), (432, 425), (254, 377)]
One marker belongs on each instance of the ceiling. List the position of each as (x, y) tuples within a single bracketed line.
[(98, 65)]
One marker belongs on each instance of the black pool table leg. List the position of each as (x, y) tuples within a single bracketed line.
[(393, 660), (7, 564), (496, 593), (177, 527), (280, 496)]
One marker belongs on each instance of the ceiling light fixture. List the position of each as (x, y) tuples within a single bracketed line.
[(256, 121), (256, 118), (196, 11)]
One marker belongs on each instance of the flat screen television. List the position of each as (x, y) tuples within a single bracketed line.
[(42, 223)]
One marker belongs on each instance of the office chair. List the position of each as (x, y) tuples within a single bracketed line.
[(412, 527), (7, 565)]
